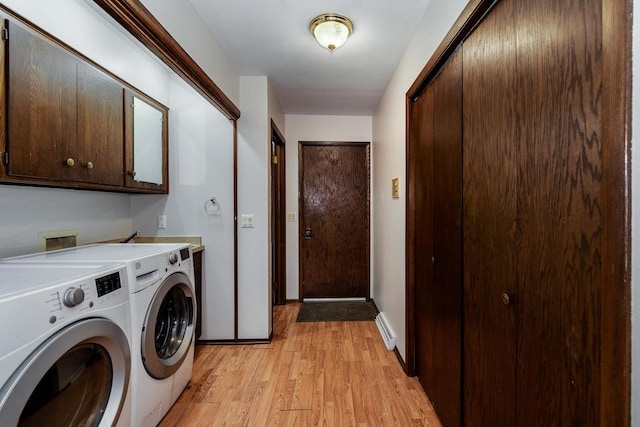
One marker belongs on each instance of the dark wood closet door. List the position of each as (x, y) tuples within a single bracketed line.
[(490, 186), (435, 169), (560, 208), (446, 389), (421, 158)]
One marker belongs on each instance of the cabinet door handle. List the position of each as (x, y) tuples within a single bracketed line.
[(70, 162), (132, 173), (89, 165)]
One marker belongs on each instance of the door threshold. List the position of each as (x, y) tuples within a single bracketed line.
[(333, 299)]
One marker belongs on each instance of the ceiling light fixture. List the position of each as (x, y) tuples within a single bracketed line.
[(331, 30)]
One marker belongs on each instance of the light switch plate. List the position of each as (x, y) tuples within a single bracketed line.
[(162, 221), (247, 221)]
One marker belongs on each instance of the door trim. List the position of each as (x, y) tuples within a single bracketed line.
[(301, 144)]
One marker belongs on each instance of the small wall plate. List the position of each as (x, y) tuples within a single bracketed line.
[(395, 188)]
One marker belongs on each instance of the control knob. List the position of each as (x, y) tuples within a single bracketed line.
[(173, 258), (73, 297)]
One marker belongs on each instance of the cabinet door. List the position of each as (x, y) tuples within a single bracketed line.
[(100, 128), (490, 185), (41, 107)]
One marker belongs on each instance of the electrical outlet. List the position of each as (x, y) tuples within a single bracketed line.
[(162, 221)]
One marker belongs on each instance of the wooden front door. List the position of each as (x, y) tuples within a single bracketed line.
[(334, 220)]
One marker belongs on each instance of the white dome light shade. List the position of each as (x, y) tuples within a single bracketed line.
[(331, 30)]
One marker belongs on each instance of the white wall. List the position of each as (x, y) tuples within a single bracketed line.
[(314, 128), (181, 20), (275, 109), (390, 162), (635, 226), (200, 167), (254, 294)]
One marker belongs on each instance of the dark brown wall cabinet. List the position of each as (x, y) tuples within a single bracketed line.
[(65, 118), (512, 171)]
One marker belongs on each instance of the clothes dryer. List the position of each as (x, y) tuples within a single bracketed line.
[(163, 313), (64, 345)]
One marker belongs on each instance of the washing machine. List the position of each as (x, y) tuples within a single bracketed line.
[(65, 357), (163, 313)]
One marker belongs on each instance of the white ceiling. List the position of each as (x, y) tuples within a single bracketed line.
[(271, 38)]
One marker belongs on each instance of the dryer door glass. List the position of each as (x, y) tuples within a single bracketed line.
[(169, 326), (79, 382)]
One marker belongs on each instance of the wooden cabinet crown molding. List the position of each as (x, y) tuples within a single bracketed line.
[(137, 20)]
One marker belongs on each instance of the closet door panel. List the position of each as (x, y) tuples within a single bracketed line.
[(559, 265), (447, 241), (422, 165), (489, 220)]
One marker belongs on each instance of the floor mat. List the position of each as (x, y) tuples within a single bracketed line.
[(336, 311)]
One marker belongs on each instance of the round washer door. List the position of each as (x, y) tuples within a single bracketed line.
[(168, 326), (77, 377)]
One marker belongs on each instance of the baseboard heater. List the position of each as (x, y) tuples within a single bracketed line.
[(388, 336)]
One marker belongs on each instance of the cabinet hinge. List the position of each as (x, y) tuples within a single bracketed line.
[(6, 157), (5, 33), (274, 160)]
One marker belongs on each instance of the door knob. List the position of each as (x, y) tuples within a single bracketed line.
[(307, 233), (506, 299)]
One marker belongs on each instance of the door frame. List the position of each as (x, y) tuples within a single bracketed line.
[(302, 144), (278, 216), (616, 203)]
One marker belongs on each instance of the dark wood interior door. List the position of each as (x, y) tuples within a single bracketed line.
[(334, 220), (278, 218)]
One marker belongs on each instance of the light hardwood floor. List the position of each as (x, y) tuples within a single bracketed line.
[(311, 374)]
